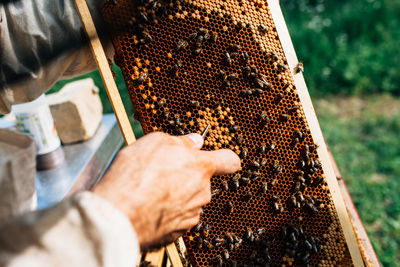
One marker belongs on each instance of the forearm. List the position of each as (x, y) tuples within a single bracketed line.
[(41, 42), (82, 231)]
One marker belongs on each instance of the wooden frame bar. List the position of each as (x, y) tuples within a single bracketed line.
[(105, 71), (315, 130), (367, 251), (155, 258)]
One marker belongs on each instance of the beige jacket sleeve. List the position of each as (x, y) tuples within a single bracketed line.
[(84, 230), (41, 42)]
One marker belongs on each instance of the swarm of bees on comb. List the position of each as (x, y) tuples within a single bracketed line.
[(189, 64)]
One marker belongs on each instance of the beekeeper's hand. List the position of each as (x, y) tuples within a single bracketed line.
[(161, 182)]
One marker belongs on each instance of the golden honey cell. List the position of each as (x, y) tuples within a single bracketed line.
[(188, 64)]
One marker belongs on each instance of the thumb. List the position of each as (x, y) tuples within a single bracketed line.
[(192, 140)]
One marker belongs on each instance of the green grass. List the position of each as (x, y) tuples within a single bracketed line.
[(366, 146), (347, 46)]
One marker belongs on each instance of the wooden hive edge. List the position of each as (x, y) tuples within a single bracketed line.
[(316, 132)]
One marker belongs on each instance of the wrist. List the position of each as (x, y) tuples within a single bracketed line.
[(109, 190)]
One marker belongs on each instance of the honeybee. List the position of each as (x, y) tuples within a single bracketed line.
[(229, 207), (192, 36), (213, 37), (181, 44), (318, 180), (264, 187), (160, 103), (206, 230), (142, 17), (263, 117), (239, 139), (247, 91), (276, 207), (224, 185), (218, 260), (255, 164), (147, 37), (259, 83), (197, 51), (235, 47), (294, 142), (246, 57), (245, 180), (279, 97), (198, 226), (262, 148), (227, 58), (284, 117), (219, 241), (199, 40), (299, 67), (207, 244), (239, 26), (300, 197), (234, 55), (276, 167), (299, 134), (248, 195), (176, 67), (235, 181), (246, 71), (263, 29), (142, 77), (293, 109), (195, 103), (293, 200), (229, 237), (221, 74), (281, 67), (225, 254), (202, 31), (231, 76), (248, 233), (199, 242), (215, 192), (273, 56), (235, 129), (226, 83)]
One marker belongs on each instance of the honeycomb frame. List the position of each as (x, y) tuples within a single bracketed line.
[(151, 70)]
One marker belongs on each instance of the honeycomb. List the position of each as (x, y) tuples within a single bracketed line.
[(189, 64)]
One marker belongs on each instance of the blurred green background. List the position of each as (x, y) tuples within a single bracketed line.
[(351, 54)]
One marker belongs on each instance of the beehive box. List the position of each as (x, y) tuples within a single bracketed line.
[(231, 64)]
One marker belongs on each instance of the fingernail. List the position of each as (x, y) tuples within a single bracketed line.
[(197, 139)]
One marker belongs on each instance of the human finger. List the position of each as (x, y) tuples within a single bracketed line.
[(167, 239), (224, 161), (190, 221)]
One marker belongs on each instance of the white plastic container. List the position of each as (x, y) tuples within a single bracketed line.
[(34, 118)]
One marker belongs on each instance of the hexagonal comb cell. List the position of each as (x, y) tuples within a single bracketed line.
[(188, 64)]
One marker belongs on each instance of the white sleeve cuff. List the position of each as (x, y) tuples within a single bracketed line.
[(118, 243)]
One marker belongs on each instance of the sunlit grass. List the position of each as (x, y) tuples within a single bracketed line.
[(366, 146)]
